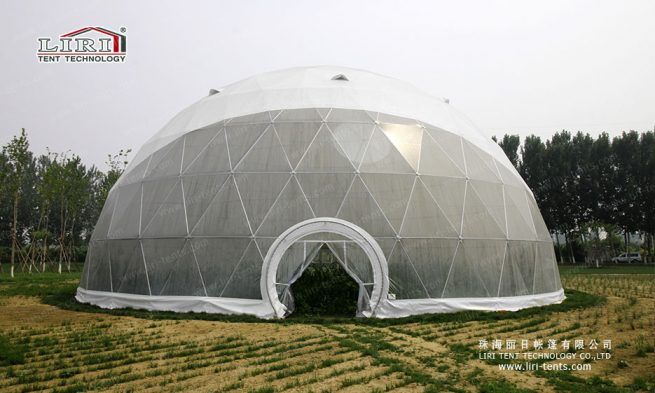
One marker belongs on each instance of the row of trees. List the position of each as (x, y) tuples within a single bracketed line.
[(590, 189), (49, 205)]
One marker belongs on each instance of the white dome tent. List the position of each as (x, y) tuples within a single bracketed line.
[(223, 209)]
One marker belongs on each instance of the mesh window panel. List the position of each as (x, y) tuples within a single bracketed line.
[(325, 191), (199, 191), (224, 216), (546, 276), (404, 282), (353, 138), (206, 152), (129, 271), (217, 259), (289, 209), (171, 268), (244, 281), (259, 191), (99, 274), (241, 137), (424, 218), (104, 220), (519, 219), (166, 215), (126, 215), (360, 209), (448, 193), (478, 221), (435, 161), (476, 269), (392, 193), (406, 139), (450, 144), (381, 156), (166, 162), (518, 270), (266, 155), (325, 155), (295, 139), (431, 259)]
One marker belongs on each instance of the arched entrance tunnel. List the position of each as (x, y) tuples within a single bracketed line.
[(328, 247)]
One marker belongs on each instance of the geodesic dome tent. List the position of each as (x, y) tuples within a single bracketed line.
[(223, 209)]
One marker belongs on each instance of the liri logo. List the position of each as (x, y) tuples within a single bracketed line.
[(85, 45)]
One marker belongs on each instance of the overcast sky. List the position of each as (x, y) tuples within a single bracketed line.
[(511, 66)]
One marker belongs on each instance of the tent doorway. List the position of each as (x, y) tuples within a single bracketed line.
[(355, 250), (324, 287)]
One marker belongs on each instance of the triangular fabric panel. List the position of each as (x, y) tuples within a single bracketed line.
[(167, 161), (267, 155), (217, 259), (258, 192), (479, 219), (338, 115), (435, 160), (199, 191), (172, 269), (518, 270), (104, 220), (244, 281), (392, 193), (197, 141), (509, 177), (546, 275), (129, 271), (448, 192), (424, 218), (404, 282), (479, 165), (241, 137), (289, 209), (476, 269), (125, 217), (169, 218), (298, 115), (155, 194), (450, 143), (491, 194), (224, 216), (325, 191), (97, 268), (325, 155), (255, 118), (391, 119), (295, 138), (407, 140), (360, 209), (431, 259), (212, 158), (519, 218), (538, 220), (381, 156), (353, 138)]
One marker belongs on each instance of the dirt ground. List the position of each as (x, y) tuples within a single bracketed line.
[(78, 351)]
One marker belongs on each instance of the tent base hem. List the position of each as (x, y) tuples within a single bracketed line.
[(261, 309)]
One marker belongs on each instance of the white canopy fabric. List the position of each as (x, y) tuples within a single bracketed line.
[(314, 87)]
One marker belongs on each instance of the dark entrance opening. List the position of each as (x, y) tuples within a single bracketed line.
[(325, 288)]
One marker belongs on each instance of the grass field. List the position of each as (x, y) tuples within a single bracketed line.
[(49, 342)]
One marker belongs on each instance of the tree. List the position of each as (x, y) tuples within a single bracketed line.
[(510, 145), (17, 158)]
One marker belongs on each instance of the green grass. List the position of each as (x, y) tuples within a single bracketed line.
[(11, 353), (607, 269)]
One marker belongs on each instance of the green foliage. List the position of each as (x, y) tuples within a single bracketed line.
[(325, 289), (10, 353)]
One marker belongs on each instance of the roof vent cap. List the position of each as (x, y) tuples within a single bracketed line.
[(340, 77), (213, 91)]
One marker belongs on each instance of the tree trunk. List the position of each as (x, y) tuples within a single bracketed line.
[(13, 234), (559, 248)]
